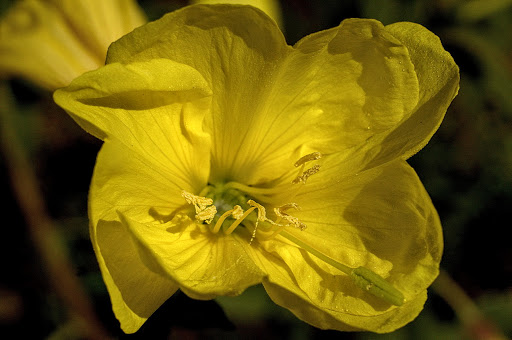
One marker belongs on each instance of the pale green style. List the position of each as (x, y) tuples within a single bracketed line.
[(232, 159)]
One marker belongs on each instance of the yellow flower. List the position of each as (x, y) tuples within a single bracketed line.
[(232, 159), (52, 42)]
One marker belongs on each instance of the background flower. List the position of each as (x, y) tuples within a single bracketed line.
[(52, 42)]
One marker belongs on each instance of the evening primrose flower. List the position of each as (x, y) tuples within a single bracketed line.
[(52, 42), (232, 159)]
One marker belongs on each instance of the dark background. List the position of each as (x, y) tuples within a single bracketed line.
[(466, 168)]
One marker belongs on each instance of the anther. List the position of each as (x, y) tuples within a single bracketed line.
[(262, 215), (281, 213), (238, 212), (207, 214), (307, 158), (205, 210), (306, 174), (235, 224)]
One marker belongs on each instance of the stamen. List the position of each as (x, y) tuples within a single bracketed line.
[(307, 158), (306, 174), (238, 221), (207, 215), (262, 215), (199, 202), (221, 220), (281, 213), (237, 212), (205, 211)]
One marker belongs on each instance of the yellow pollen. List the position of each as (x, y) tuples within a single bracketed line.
[(303, 176), (306, 174), (205, 211), (238, 212), (262, 215), (308, 158), (281, 213)]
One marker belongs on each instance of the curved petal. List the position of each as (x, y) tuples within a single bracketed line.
[(135, 291), (205, 265), (154, 108), (126, 181), (271, 7), (438, 77), (237, 49), (381, 219), (356, 78)]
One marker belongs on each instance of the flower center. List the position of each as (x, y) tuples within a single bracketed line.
[(228, 205)]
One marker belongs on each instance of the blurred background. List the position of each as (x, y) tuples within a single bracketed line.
[(466, 168)]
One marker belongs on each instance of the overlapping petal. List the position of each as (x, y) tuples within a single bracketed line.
[(340, 86), (135, 291), (438, 78), (130, 183), (98, 23), (205, 265), (237, 49), (381, 219), (352, 78), (121, 101)]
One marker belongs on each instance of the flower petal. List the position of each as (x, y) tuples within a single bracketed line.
[(271, 7), (438, 77), (205, 265), (154, 108), (128, 182), (356, 78), (381, 219), (135, 291), (238, 61)]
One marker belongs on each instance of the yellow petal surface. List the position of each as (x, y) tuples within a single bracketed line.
[(355, 78), (52, 42), (438, 78), (154, 108), (135, 291), (381, 219), (204, 264), (238, 61), (127, 182), (271, 7)]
